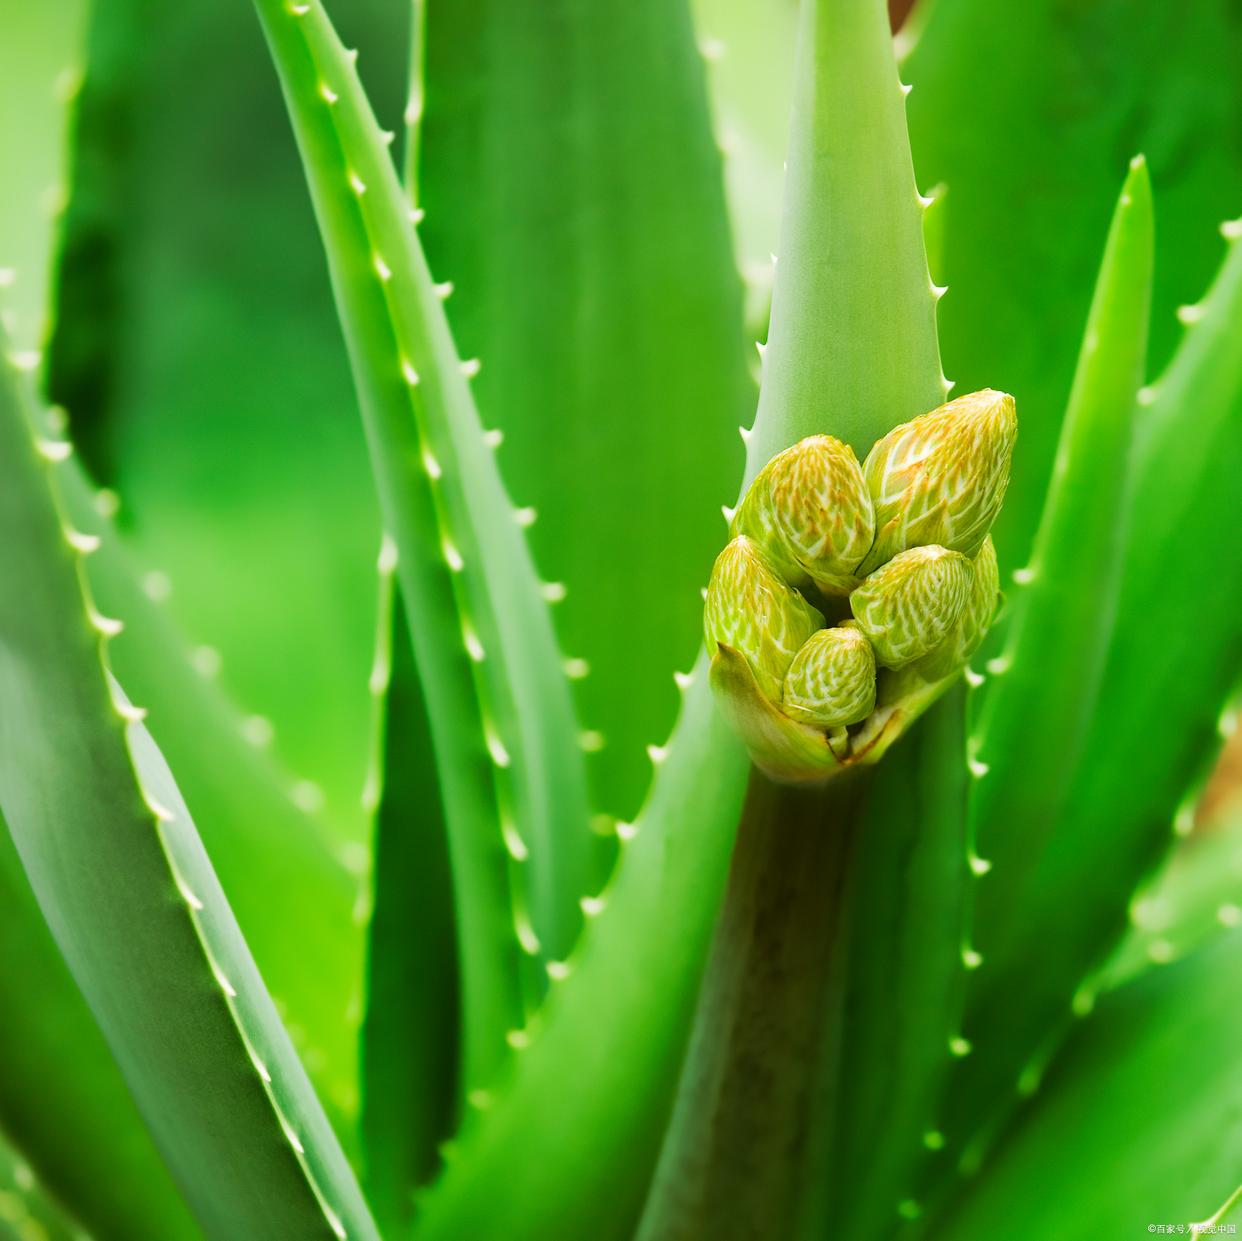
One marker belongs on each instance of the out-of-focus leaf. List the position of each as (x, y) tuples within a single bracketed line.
[(27, 1212), (1028, 113), (574, 198), (40, 67), (1150, 1092), (199, 360), (749, 49), (1196, 895)]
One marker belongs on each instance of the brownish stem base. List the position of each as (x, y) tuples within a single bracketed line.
[(735, 1158)]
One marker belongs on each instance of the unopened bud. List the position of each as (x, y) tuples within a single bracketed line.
[(810, 510), (831, 682), (940, 479), (973, 624), (908, 606), (750, 609)]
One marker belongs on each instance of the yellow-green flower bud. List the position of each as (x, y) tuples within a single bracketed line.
[(810, 510), (908, 606), (973, 624), (750, 609), (831, 682), (940, 479)]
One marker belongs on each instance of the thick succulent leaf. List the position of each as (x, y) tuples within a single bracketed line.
[(1036, 706), (254, 819), (63, 1104), (40, 67), (1162, 693), (1041, 693), (574, 198), (564, 1143), (131, 898), (1150, 1089), (498, 701), (1042, 689), (410, 1036), (198, 356), (1026, 113)]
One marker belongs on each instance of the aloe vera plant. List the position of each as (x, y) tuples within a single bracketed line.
[(407, 831)]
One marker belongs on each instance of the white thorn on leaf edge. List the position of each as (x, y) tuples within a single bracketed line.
[(83, 544)]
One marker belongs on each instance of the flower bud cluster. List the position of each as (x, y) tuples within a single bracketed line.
[(851, 595)]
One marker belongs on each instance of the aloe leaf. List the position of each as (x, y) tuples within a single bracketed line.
[(1035, 707), (1120, 815), (197, 355), (1041, 691), (57, 1065), (255, 819), (575, 1119), (496, 692), (1033, 178), (134, 905), (1159, 1143), (569, 172), (410, 1038)]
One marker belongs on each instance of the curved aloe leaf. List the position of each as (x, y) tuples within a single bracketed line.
[(255, 823), (497, 697), (1159, 1143), (131, 898), (575, 1119), (197, 355), (1121, 815), (103, 1165), (1033, 178), (569, 171), (1042, 689), (1036, 705)]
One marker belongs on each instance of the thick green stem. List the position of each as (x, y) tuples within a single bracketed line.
[(740, 1150)]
